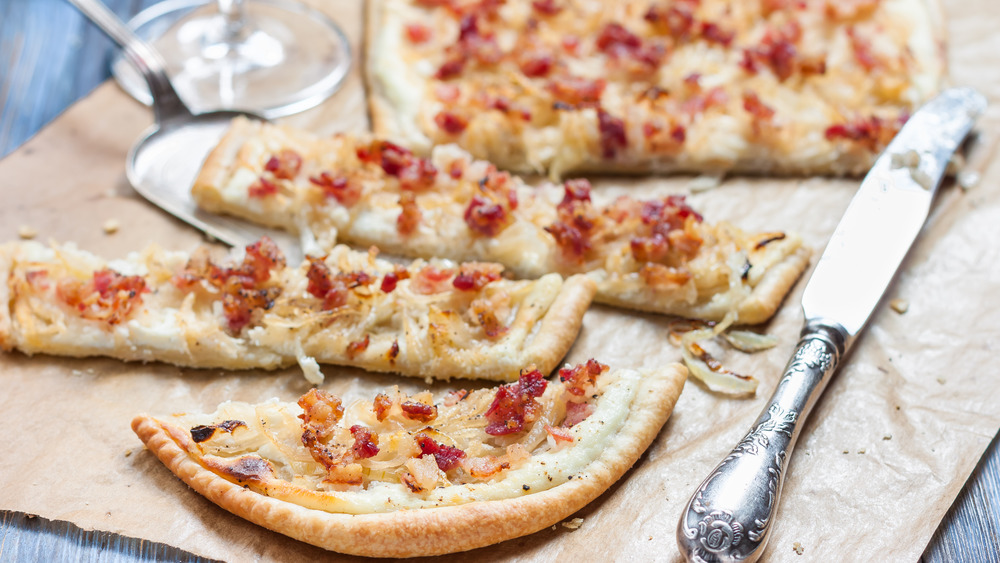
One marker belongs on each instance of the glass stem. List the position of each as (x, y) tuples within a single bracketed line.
[(234, 11)]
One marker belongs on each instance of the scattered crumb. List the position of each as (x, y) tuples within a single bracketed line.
[(861, 451), (429, 380), (797, 548), (128, 453), (897, 407), (847, 451), (899, 305), (968, 179), (887, 437), (26, 232), (650, 538), (31, 516), (573, 524), (111, 226), (553, 526), (941, 380)]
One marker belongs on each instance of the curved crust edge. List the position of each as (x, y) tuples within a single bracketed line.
[(431, 531)]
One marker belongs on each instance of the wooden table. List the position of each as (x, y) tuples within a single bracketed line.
[(50, 57)]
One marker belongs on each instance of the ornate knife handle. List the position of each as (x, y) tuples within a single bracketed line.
[(730, 515)]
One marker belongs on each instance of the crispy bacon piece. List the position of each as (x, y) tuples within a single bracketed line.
[(577, 220), (577, 413), (415, 410), (358, 346), (712, 33), (559, 434), (285, 165), (514, 404), (870, 132), (487, 317), (450, 122), (393, 352), (390, 280), (472, 45), (674, 19), (862, 49), (409, 214), (340, 188), (664, 138), (321, 411), (243, 288), (447, 457), (333, 289), (474, 276), (620, 44), (414, 173), (667, 221), (546, 7), (535, 63), (381, 406), (580, 379), (503, 103), (108, 296), (576, 92), (365, 442), (489, 212), (777, 51), (418, 33), (612, 131), (755, 107), (431, 280), (262, 188)]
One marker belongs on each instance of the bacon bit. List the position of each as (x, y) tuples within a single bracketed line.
[(577, 218), (472, 44), (414, 173), (474, 276), (381, 406), (455, 397), (450, 69), (321, 412), (456, 169), (663, 139), (393, 352), (285, 165), (616, 40), (574, 190), (712, 33), (446, 457), (660, 276), (577, 413), (358, 346), (570, 44), (488, 319), (514, 404), (535, 64), (365, 442), (546, 7), (450, 123), (345, 191), (108, 296), (776, 50), (870, 132), (262, 188), (502, 103), (669, 230), (390, 280), (409, 214), (203, 433), (862, 49), (332, 289), (612, 134), (559, 434), (431, 280), (417, 33), (580, 379), (755, 107), (419, 411), (676, 20), (447, 93), (485, 216), (575, 91)]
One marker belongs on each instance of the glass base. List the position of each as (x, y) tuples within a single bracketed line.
[(286, 58)]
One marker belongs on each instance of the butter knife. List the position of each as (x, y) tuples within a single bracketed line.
[(730, 515)]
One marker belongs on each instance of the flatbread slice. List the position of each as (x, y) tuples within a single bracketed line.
[(249, 310), (656, 255), (566, 86), (403, 476)]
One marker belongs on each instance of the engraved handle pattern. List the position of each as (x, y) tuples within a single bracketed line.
[(730, 515)]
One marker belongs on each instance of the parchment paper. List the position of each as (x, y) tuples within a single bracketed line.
[(881, 459)]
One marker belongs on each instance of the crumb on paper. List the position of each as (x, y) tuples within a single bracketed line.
[(573, 524), (128, 453), (942, 380), (847, 451), (111, 226), (899, 305), (797, 548), (968, 179), (429, 380), (887, 437), (861, 451), (704, 183), (26, 232)]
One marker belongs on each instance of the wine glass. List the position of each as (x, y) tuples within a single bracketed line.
[(274, 57)]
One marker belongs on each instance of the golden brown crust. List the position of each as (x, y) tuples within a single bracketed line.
[(559, 329), (772, 289), (431, 531)]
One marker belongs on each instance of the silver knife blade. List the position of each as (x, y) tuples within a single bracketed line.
[(729, 516), (887, 212)]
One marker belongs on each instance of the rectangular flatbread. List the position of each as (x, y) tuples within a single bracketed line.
[(561, 86), (655, 255), (405, 476), (429, 319)]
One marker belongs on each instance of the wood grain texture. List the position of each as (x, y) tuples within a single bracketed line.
[(49, 58)]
